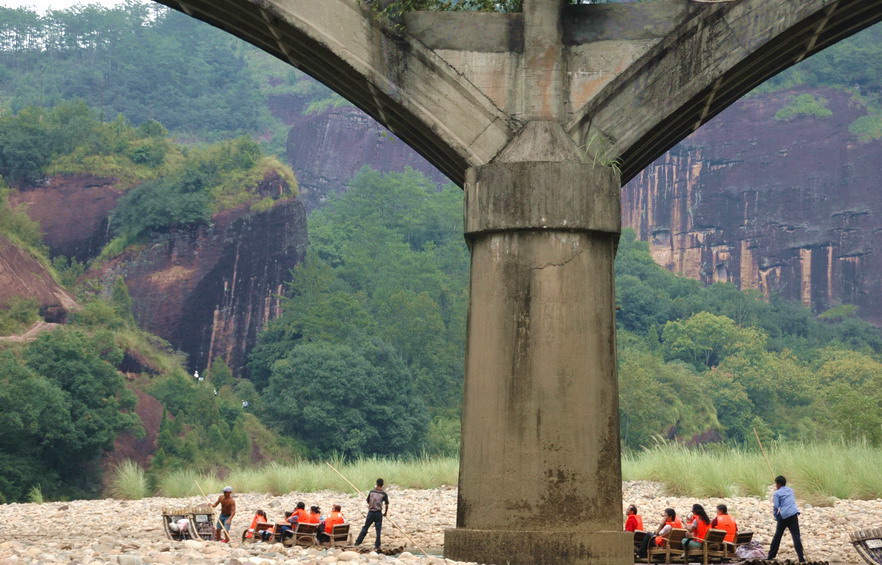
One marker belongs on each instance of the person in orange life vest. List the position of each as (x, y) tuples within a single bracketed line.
[(259, 516), (314, 516), (697, 524), (669, 522), (723, 521), (291, 519), (334, 519), (634, 521)]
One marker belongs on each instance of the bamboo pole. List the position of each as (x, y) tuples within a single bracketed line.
[(766, 457), (226, 531), (394, 525)]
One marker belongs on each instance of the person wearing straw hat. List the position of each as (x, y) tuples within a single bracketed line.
[(228, 510)]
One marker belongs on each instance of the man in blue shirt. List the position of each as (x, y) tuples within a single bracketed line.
[(787, 514)]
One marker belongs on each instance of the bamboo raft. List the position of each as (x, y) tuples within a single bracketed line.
[(199, 518), (868, 544)]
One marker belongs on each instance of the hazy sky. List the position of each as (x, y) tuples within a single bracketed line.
[(43, 5)]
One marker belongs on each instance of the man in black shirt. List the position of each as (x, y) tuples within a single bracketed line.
[(375, 500)]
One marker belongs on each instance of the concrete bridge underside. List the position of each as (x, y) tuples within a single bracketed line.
[(525, 111)]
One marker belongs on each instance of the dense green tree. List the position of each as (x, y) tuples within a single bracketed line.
[(705, 339), (83, 367), (336, 399)]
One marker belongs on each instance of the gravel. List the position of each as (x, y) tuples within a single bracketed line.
[(101, 532)]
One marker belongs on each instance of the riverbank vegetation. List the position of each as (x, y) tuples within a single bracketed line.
[(821, 473)]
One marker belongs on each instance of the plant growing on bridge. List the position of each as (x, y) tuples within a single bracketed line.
[(598, 149)]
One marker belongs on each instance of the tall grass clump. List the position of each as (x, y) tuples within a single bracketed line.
[(129, 482), (182, 483), (35, 495)]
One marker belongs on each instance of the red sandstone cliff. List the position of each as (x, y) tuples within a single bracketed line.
[(209, 290), (21, 275), (792, 207), (327, 149), (73, 212)]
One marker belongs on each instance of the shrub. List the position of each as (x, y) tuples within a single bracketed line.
[(867, 128), (18, 314), (802, 106)]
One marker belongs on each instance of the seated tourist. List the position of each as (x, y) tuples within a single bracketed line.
[(669, 522), (314, 516), (723, 521), (334, 519), (259, 516), (634, 521), (697, 525)]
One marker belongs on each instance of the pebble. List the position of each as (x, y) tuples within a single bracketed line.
[(95, 536)]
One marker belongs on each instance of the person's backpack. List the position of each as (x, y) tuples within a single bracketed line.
[(751, 550)]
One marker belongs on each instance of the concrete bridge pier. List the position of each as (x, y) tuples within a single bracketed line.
[(540, 475)]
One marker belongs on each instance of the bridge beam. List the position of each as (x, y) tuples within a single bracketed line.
[(540, 476)]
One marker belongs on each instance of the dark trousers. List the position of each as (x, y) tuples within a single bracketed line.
[(644, 545), (792, 524), (374, 517)]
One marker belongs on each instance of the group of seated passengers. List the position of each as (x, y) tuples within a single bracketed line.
[(697, 525), (297, 516)]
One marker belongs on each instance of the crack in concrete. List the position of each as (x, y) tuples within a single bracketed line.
[(560, 264)]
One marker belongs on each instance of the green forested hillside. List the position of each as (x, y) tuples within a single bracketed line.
[(369, 346), (378, 311), (145, 62)]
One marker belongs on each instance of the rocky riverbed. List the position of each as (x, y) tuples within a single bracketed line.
[(100, 532)]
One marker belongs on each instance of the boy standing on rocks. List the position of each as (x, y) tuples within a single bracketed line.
[(375, 500), (228, 510)]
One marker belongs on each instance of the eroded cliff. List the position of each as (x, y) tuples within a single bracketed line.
[(208, 290), (782, 206), (327, 149)]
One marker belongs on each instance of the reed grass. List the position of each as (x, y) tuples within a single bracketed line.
[(185, 483), (35, 495), (129, 482), (818, 472)]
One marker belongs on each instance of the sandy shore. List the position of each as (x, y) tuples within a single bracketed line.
[(98, 532)]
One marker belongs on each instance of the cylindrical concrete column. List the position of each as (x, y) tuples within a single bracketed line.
[(540, 476)]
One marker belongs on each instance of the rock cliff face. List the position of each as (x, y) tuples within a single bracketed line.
[(73, 212), (327, 149), (209, 290), (790, 207), (21, 275)]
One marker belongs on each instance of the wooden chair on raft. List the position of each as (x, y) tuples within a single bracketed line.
[(711, 548), (257, 534), (304, 534), (340, 535), (741, 538), (673, 547)]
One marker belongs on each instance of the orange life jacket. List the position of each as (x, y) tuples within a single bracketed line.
[(634, 522), (250, 533), (676, 523), (332, 520), (297, 516), (310, 518), (701, 528), (726, 522)]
